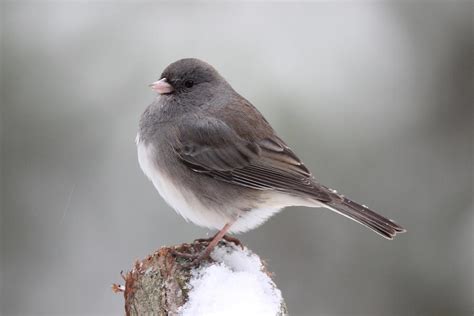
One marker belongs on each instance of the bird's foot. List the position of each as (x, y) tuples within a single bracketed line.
[(226, 238), (234, 241), (194, 258), (195, 253), (190, 256)]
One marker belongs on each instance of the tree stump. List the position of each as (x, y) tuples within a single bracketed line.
[(233, 281)]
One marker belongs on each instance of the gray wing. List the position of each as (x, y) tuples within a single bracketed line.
[(209, 146)]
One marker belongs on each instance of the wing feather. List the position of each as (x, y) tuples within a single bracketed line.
[(210, 146)]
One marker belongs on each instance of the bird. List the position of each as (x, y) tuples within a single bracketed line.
[(218, 162)]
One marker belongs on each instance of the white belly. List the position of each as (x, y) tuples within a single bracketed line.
[(185, 203), (181, 200)]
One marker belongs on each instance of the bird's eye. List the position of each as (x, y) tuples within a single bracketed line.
[(188, 83)]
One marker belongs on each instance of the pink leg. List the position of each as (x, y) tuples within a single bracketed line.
[(212, 244)]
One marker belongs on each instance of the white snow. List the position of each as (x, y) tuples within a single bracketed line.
[(234, 285)]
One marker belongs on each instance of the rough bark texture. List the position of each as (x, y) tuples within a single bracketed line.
[(159, 284)]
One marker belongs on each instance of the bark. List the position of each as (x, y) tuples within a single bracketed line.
[(159, 284)]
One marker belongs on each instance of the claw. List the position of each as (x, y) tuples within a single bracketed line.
[(177, 253), (225, 237), (233, 240), (199, 255)]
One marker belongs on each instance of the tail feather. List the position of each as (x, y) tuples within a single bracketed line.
[(361, 214)]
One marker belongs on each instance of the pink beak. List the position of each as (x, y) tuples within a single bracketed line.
[(162, 86)]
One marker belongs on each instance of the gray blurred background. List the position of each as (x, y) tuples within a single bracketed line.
[(376, 98)]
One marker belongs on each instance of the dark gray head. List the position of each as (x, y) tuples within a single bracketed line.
[(187, 77)]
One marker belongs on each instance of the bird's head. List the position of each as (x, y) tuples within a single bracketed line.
[(187, 76)]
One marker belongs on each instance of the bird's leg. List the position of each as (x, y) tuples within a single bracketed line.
[(197, 258), (214, 242)]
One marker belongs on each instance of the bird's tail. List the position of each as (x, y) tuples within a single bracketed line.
[(361, 214)]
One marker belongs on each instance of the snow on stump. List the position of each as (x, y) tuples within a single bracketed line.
[(233, 281)]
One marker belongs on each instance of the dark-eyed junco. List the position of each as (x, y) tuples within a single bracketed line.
[(217, 161)]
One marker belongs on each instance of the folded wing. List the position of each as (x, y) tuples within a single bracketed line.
[(209, 146)]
